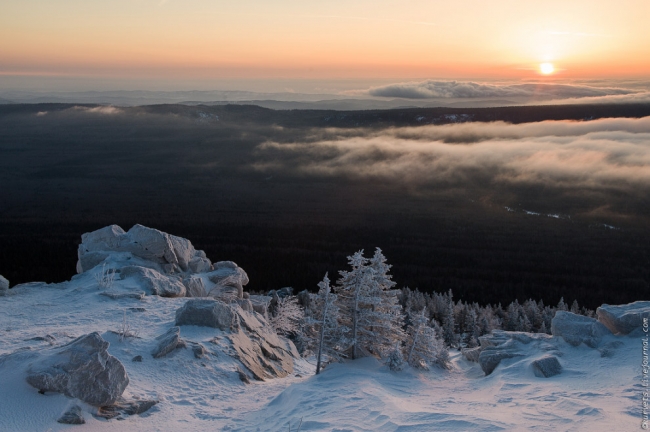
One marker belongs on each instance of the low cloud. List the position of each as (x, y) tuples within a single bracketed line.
[(109, 110), (457, 89), (609, 155)]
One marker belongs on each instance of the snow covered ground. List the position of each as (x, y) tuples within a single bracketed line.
[(592, 392)]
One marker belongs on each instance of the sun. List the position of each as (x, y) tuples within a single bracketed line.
[(546, 68)]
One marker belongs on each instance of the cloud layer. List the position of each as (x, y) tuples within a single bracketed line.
[(454, 89), (609, 155)]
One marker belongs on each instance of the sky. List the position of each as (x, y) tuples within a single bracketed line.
[(207, 42)]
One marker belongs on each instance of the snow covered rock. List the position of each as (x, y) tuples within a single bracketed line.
[(577, 329), (229, 279), (260, 349), (623, 319), (500, 345), (261, 304), (82, 369), (546, 367), (170, 253), (472, 354), (195, 287), (4, 285), (154, 282), (205, 313), (72, 416), (169, 341)]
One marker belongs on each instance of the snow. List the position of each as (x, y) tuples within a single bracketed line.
[(593, 392)]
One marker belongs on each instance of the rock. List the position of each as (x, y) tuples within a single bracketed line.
[(167, 251), (199, 351), (261, 304), (577, 329), (72, 416), (472, 354), (121, 295), (609, 349), (4, 285), (623, 319), (154, 282), (137, 359), (195, 287), (490, 357), (260, 349), (137, 309), (205, 313), (123, 407), (229, 279), (546, 367), (245, 304), (243, 376), (169, 341), (500, 345), (82, 369), (282, 292), (47, 338)]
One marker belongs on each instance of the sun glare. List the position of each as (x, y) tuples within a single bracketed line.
[(546, 68)]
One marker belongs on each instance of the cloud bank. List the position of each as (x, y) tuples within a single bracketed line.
[(454, 89), (609, 155)]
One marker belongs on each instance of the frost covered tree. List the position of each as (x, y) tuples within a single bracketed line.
[(448, 323), (369, 307), (325, 317), (424, 345), (287, 317)]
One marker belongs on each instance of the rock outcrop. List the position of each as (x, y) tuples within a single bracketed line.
[(173, 254), (577, 329), (623, 319), (205, 313), (82, 369), (4, 285), (195, 287), (229, 280), (259, 348)]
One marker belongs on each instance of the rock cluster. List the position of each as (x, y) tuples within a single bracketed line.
[(578, 329)]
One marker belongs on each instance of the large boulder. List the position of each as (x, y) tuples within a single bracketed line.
[(82, 369), (154, 282), (171, 253), (546, 367), (578, 329), (205, 313), (624, 319), (259, 348), (4, 285)]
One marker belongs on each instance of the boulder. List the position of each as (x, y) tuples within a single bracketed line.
[(205, 313), (122, 295), (229, 280), (82, 369), (623, 319), (259, 348), (168, 342), (4, 285), (546, 367), (123, 407), (577, 329), (195, 287), (154, 282), (72, 416), (245, 304), (490, 357), (500, 345)]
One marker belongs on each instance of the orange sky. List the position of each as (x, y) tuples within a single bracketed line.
[(190, 39)]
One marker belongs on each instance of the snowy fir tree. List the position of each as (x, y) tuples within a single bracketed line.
[(287, 317), (424, 345), (325, 317), (369, 307)]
